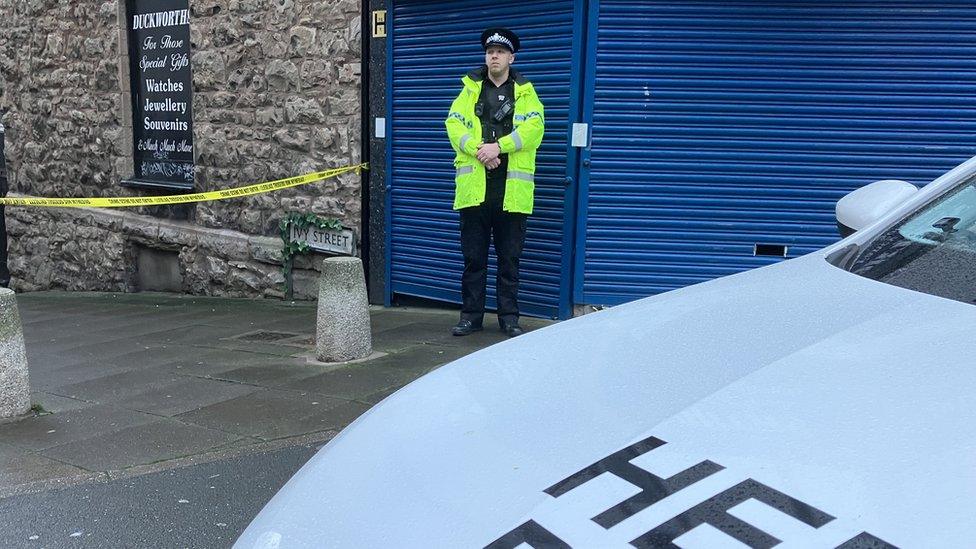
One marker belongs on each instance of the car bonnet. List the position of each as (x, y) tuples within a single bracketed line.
[(796, 402)]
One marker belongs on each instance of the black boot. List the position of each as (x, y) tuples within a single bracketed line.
[(512, 329), (465, 327)]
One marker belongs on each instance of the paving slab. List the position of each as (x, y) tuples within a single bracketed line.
[(439, 333), (46, 320), (375, 398), (53, 314), (408, 335), (146, 328), (47, 377), (272, 414), (420, 358), (271, 375), (211, 362), (45, 431), (69, 369), (135, 355), (113, 343), (358, 381), (291, 320), (56, 403), (18, 467), (139, 445), (228, 344), (46, 373), (185, 394), (382, 320), (299, 320), (353, 382), (58, 335), (113, 388)]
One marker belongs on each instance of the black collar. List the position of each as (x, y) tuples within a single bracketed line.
[(481, 73)]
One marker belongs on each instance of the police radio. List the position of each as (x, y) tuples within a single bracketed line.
[(504, 110)]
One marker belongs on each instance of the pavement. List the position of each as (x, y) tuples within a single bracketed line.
[(126, 385)]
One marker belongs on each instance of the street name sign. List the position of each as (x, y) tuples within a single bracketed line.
[(325, 240)]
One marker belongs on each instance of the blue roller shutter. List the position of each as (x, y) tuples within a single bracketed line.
[(433, 45), (721, 125)]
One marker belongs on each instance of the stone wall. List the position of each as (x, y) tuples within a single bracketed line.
[(82, 250), (276, 94)]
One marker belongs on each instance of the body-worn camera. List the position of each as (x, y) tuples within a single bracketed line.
[(503, 112)]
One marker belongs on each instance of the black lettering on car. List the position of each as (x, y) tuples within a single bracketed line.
[(865, 540), (653, 488), (713, 511), (531, 534)]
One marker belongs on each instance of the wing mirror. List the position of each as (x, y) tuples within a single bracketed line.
[(864, 206)]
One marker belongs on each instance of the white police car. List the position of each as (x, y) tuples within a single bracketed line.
[(826, 401)]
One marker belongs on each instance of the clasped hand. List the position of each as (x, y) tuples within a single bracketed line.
[(488, 155)]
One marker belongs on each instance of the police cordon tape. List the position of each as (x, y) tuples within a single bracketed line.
[(129, 202)]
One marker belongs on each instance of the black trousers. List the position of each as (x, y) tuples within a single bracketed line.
[(480, 225)]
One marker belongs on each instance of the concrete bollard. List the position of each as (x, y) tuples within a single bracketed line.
[(342, 327), (14, 386)]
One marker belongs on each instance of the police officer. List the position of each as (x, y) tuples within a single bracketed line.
[(495, 126)]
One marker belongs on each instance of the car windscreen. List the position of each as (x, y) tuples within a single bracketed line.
[(933, 251)]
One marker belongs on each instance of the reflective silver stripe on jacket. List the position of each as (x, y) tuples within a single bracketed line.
[(464, 170), (464, 139), (524, 176), (517, 139)]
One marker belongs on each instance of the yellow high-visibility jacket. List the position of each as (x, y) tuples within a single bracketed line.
[(464, 131)]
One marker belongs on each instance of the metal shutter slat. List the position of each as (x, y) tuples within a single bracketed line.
[(718, 125)]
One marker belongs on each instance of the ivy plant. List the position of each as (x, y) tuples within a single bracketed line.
[(292, 248)]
